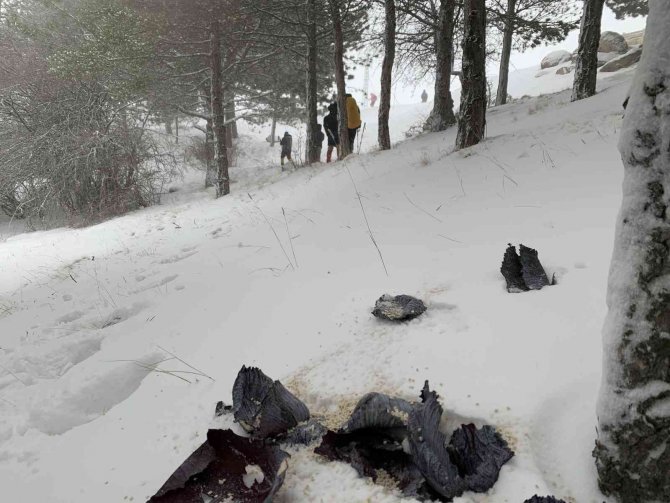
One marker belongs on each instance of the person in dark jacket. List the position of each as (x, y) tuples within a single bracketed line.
[(424, 96), (319, 142), (331, 126), (286, 146)]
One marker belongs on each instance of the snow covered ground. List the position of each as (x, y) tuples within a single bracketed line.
[(208, 281)]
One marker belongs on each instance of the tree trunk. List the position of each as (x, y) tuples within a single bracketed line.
[(340, 75), (633, 447), (210, 174), (586, 69), (312, 121), (218, 120), (442, 115), (273, 131), (231, 114), (508, 34), (472, 123), (384, 136), (176, 130)]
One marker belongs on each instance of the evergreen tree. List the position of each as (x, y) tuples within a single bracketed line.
[(587, 53), (384, 137), (528, 23), (628, 8), (632, 451), (472, 121)]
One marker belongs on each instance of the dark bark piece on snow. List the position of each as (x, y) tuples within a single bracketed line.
[(512, 270), (543, 499), (479, 454), (305, 433), (428, 447), (226, 466), (376, 410), (533, 273), (264, 407), (398, 308), (369, 451)]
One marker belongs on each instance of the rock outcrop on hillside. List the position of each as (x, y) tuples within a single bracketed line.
[(611, 41), (623, 61), (555, 58)]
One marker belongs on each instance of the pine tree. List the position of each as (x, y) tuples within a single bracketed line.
[(628, 8), (633, 447), (442, 116), (528, 23), (472, 121), (586, 70), (384, 137)]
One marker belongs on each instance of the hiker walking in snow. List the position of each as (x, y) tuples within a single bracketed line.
[(319, 142), (373, 100), (286, 146), (424, 96), (331, 127), (353, 119)]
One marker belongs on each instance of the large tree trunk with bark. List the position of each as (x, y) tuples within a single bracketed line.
[(508, 35), (210, 175), (230, 115), (442, 116), (273, 131), (340, 75), (312, 121), (586, 70), (472, 122), (384, 135), (633, 447), (218, 116)]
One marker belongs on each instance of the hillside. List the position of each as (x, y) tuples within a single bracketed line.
[(208, 281)]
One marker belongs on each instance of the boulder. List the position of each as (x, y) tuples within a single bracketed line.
[(623, 61), (564, 70), (604, 57), (611, 41), (555, 58), (634, 38)]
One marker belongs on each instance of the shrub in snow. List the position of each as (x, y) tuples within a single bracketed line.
[(398, 308), (263, 407), (611, 41), (389, 437), (523, 271), (226, 467), (555, 58)]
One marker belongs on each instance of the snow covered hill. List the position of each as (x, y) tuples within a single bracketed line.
[(218, 283)]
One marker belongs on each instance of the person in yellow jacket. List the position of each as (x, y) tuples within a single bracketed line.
[(353, 118)]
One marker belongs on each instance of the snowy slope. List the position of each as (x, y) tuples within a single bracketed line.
[(207, 280)]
